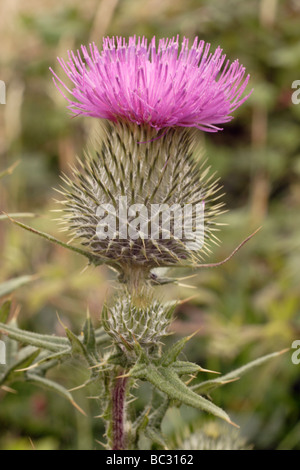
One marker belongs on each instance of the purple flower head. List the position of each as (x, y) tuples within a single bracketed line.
[(162, 86)]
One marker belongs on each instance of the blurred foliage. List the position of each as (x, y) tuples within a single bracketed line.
[(246, 308)]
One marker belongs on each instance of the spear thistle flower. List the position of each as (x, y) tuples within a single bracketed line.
[(140, 89), (165, 86)]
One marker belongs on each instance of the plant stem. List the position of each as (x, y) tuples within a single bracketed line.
[(118, 413)]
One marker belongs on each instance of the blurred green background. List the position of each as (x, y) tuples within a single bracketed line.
[(246, 308)]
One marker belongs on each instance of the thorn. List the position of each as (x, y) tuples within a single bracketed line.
[(101, 444), (190, 379), (132, 400), (10, 169), (88, 315), (16, 313), (185, 285), (233, 424), (284, 351), (60, 321), (33, 366), (8, 389), (78, 408), (77, 388), (31, 443), (98, 365), (224, 382), (84, 269), (208, 370), (181, 302), (188, 338), (186, 277), (122, 376)]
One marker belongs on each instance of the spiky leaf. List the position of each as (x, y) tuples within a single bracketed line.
[(210, 385), (10, 286)]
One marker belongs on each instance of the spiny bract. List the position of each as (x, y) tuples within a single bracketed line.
[(131, 325), (213, 436), (128, 161)]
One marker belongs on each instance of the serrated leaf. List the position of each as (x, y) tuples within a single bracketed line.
[(51, 343), (76, 345), (11, 285), (168, 382), (184, 367), (139, 370), (209, 385), (173, 352), (47, 361), (89, 338), (79, 348), (5, 311), (96, 260), (28, 355)]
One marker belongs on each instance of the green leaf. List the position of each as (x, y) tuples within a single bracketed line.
[(96, 260), (5, 311), (48, 342), (89, 338), (76, 345), (48, 361), (168, 382), (184, 367), (209, 385), (79, 348), (139, 370), (28, 355), (173, 352), (9, 286)]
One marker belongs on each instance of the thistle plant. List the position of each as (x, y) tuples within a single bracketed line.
[(141, 198)]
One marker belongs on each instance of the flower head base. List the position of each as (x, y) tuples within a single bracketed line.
[(159, 180), (162, 86)]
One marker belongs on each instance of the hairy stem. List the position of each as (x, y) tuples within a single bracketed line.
[(136, 280), (118, 413)]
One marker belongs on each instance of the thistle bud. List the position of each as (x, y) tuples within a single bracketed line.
[(133, 327)]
